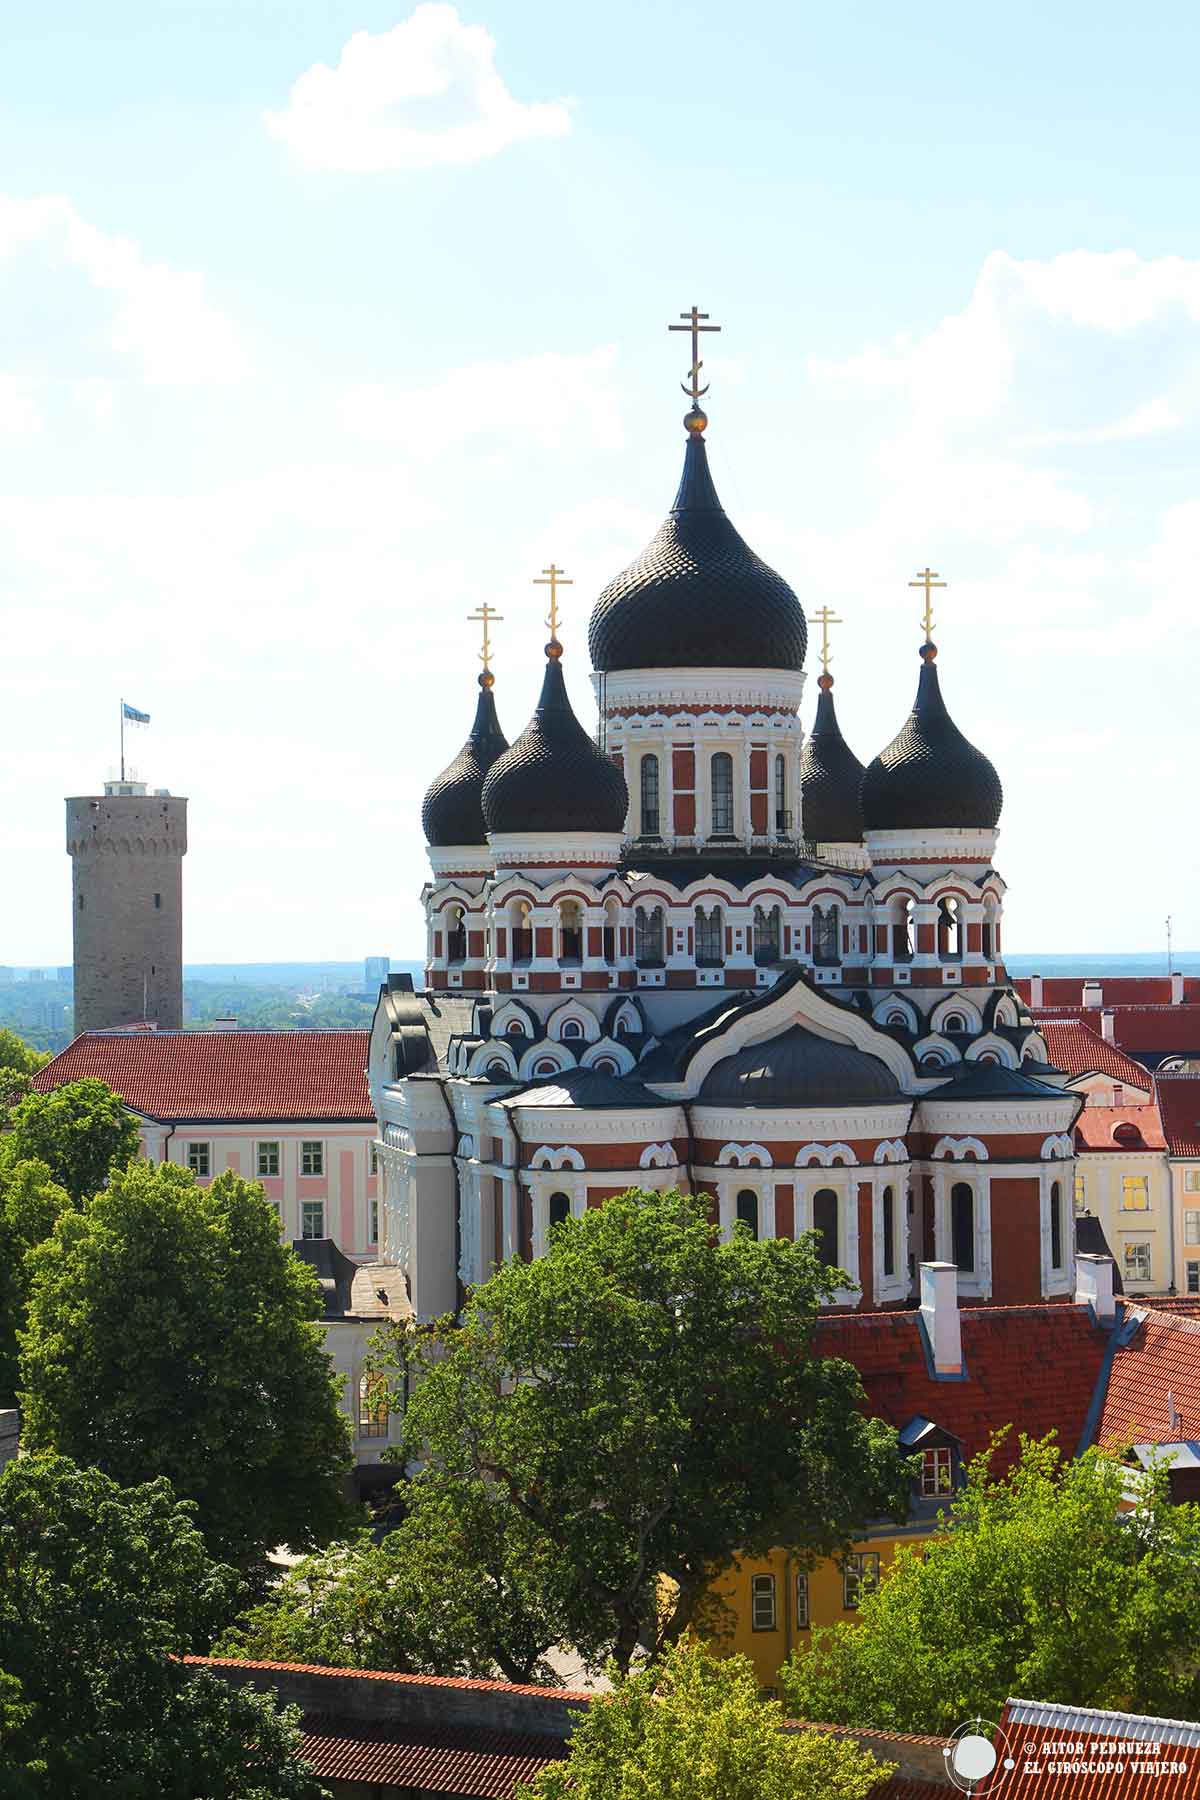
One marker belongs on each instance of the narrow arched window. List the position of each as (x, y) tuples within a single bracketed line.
[(710, 937), (522, 935), (570, 930), (962, 1226), (766, 935), (1056, 1234), (783, 818), (747, 1211), (456, 937), (825, 1224), (722, 794), (650, 825), (889, 1232), (560, 1209), (826, 928), (950, 929), (572, 1029), (955, 1022), (648, 935)]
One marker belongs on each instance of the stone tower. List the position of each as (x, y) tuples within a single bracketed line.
[(127, 848)]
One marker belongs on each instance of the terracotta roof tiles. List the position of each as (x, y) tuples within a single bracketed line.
[(1179, 1107), (1116, 990), (1119, 1128), (1078, 1050), (1128, 1749), (451, 1760), (1156, 1363)]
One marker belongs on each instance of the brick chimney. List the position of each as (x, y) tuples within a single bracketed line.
[(1108, 1025), (1035, 990), (1094, 1285), (939, 1310)]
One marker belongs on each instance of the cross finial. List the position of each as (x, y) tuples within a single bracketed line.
[(485, 614), (692, 319), (927, 578), (826, 617), (553, 578)]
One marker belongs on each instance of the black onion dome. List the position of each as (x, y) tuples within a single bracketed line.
[(830, 775), (451, 812), (929, 775), (799, 1068), (697, 596), (554, 778)]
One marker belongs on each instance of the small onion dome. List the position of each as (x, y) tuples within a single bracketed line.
[(929, 776), (697, 597), (554, 778), (830, 775), (452, 812), (799, 1068)]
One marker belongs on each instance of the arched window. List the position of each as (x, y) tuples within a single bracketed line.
[(747, 1210), (570, 927), (648, 936), (783, 818), (722, 794), (572, 1029), (903, 930), (1056, 1234), (962, 1226), (889, 1231), (649, 779), (604, 1065), (825, 1224), (560, 1209), (950, 946), (767, 947), (954, 1022), (826, 929), (612, 915), (710, 937), (497, 1071), (547, 1066), (456, 936), (522, 934)]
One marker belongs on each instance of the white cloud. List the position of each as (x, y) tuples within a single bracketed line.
[(423, 93), (549, 399)]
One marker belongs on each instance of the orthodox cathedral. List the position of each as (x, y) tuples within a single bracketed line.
[(701, 950)]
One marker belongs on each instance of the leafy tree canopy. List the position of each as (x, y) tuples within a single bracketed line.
[(171, 1332), (694, 1728), (30, 1205), (81, 1131), (1041, 1586), (641, 1399), (102, 1589), (18, 1055)]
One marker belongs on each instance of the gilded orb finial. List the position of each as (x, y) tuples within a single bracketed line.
[(695, 420)]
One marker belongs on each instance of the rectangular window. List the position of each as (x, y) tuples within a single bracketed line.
[(312, 1158), (268, 1160), (372, 1406), (373, 1163), (200, 1159), (312, 1219), (1137, 1262), (1135, 1193), (936, 1471), (1191, 1181), (1193, 1277), (762, 1602), (802, 1613), (1191, 1227), (373, 1224), (859, 1577)]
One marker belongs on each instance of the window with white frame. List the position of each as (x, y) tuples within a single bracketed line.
[(860, 1577), (372, 1406), (1191, 1227), (1193, 1277), (762, 1602), (962, 1226), (710, 937), (199, 1159), (937, 1470), (312, 1218), (889, 1231), (721, 777), (1056, 1225), (1080, 1191), (1137, 1262), (803, 1614), (1191, 1181), (1135, 1193), (747, 1210), (648, 935), (649, 773), (267, 1159), (312, 1157), (373, 1160)]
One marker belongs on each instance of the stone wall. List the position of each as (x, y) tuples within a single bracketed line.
[(127, 909)]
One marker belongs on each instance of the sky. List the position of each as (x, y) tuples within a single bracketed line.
[(322, 323)]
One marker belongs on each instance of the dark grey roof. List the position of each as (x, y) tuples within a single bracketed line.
[(666, 1060), (830, 777), (1090, 1238), (929, 775), (589, 1088), (989, 1081), (798, 1068), (554, 778), (697, 596), (452, 813), (333, 1269)]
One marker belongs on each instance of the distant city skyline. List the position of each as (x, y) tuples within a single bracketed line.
[(322, 324)]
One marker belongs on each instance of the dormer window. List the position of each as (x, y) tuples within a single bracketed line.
[(937, 1471), (938, 1456)]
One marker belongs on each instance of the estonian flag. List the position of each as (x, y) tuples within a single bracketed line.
[(131, 712)]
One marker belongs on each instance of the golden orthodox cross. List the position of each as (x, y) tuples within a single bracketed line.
[(693, 325), (486, 614), (553, 578), (927, 579), (825, 618)]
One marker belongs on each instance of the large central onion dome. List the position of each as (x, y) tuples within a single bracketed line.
[(554, 778), (930, 776), (697, 596), (830, 776), (452, 813)]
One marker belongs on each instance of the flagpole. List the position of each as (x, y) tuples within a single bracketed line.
[(122, 743)]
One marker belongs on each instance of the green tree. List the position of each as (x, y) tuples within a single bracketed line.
[(643, 1399), (81, 1131), (19, 1062), (30, 1205), (694, 1728), (170, 1332), (102, 1590), (1040, 1585)]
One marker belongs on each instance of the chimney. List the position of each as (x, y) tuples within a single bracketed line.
[(1176, 990), (1108, 1025), (939, 1311), (1035, 991), (1094, 1285), (1093, 994)]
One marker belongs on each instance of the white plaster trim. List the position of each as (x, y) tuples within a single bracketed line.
[(890, 846), (559, 1054), (460, 859), (655, 689), (995, 1117), (561, 1156), (808, 1125), (744, 1156), (563, 850), (800, 1005), (658, 1156), (960, 1149), (956, 1003), (891, 1152), (826, 1156), (1057, 1146), (573, 1009)]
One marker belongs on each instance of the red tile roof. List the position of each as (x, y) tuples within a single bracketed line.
[(1179, 1106), (219, 1075), (459, 1683), (451, 1760), (1159, 1363), (1035, 1367), (1126, 1747), (1140, 1127), (1141, 1030), (1078, 1050), (1115, 990)]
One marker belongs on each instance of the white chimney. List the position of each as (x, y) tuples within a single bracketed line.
[(1035, 990), (226, 1024), (1093, 994), (1177, 990), (939, 1309), (1108, 1025), (1094, 1285)]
